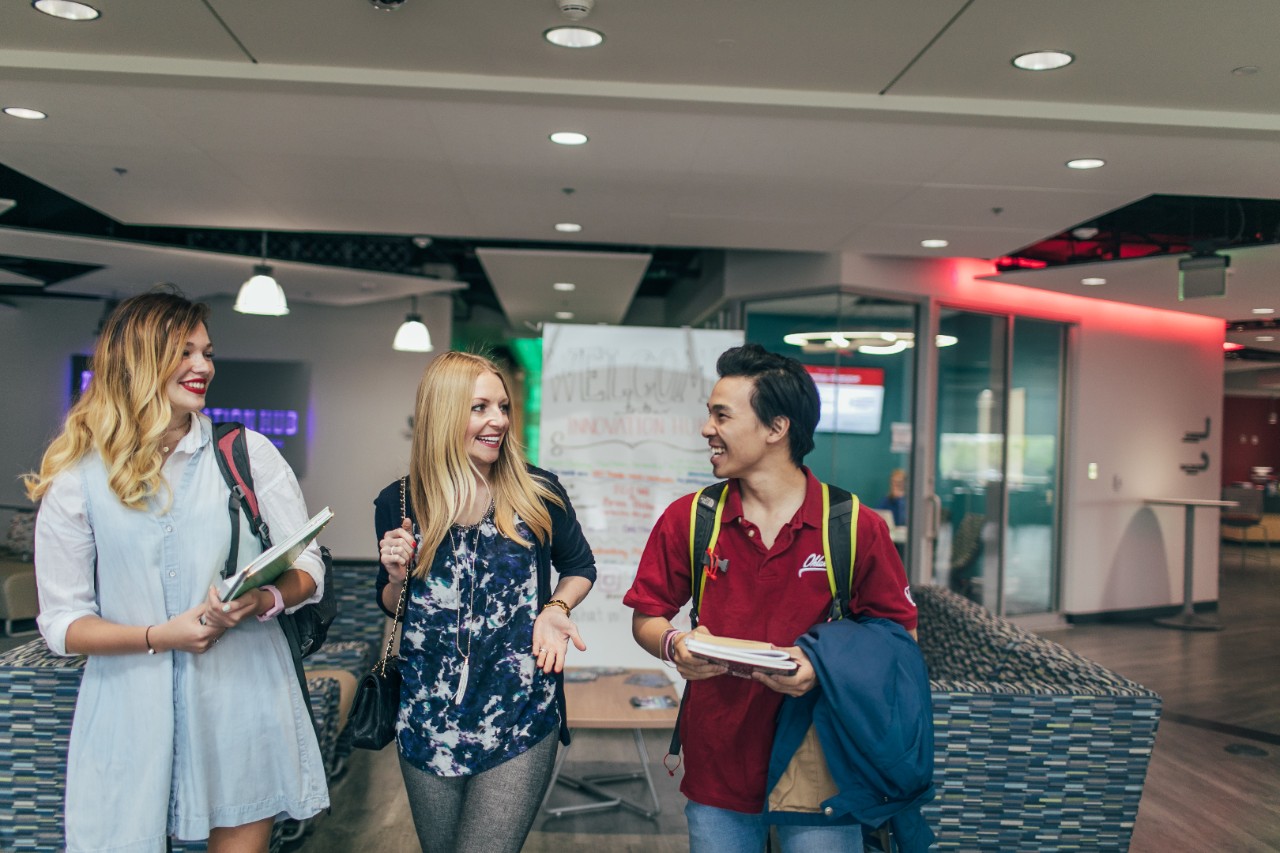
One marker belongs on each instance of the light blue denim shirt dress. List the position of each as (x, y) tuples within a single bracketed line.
[(173, 743)]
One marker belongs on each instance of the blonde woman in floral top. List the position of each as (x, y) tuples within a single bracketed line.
[(485, 637)]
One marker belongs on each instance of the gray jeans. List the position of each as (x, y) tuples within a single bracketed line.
[(490, 812)]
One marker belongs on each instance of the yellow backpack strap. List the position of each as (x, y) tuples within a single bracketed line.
[(704, 532), (826, 539), (834, 509)]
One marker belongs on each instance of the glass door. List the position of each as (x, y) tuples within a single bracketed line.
[(997, 445)]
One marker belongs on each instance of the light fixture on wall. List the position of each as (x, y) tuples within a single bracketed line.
[(412, 336), (260, 294)]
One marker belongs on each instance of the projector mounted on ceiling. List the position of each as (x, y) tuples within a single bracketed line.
[(1202, 275)]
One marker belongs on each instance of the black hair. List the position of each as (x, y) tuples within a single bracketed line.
[(783, 388)]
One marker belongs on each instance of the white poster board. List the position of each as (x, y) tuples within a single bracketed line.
[(622, 410)]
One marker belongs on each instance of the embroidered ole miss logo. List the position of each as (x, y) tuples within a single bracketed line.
[(813, 563)]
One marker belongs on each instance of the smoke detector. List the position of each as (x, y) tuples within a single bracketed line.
[(575, 10)]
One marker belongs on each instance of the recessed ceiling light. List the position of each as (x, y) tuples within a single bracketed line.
[(568, 227), (564, 315), (573, 37), (1084, 232), (1086, 163), (1043, 60), (568, 137), (1264, 310), (23, 112), (564, 286), (1265, 338), (934, 244), (68, 10), (1093, 282)]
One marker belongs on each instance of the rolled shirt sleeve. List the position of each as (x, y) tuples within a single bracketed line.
[(282, 506), (65, 560)]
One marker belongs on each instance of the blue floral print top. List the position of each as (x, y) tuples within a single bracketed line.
[(566, 551), (477, 604)]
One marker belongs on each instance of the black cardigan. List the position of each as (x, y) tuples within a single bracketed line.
[(567, 550)]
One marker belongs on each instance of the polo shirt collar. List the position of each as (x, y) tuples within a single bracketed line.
[(810, 514)]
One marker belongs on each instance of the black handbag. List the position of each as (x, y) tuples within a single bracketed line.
[(377, 702)]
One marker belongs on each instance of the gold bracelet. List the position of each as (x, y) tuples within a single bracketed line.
[(555, 602)]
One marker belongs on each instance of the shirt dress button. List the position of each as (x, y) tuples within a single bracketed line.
[(168, 528), (828, 811), (173, 574)]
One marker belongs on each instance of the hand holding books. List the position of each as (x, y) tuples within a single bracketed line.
[(275, 561), (742, 657)]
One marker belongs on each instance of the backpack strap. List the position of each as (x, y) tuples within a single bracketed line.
[(704, 531), (233, 461), (839, 512)]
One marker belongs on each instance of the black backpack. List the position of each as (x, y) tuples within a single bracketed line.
[(307, 627)]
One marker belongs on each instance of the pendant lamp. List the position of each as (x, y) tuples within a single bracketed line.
[(261, 294), (412, 336)]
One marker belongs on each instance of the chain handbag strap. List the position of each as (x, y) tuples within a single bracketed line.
[(404, 595)]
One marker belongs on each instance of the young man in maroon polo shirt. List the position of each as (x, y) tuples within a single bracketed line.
[(760, 422)]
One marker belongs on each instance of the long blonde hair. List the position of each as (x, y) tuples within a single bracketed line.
[(125, 410), (442, 477)]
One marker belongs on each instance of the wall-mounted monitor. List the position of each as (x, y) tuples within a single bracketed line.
[(852, 398)]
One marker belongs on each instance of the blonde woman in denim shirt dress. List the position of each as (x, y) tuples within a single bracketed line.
[(190, 722)]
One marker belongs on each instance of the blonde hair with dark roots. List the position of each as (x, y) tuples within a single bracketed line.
[(442, 477), (125, 410)]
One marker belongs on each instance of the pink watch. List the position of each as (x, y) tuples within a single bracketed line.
[(277, 608)]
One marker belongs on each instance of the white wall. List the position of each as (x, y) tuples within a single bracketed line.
[(37, 338), (1139, 380), (362, 392)]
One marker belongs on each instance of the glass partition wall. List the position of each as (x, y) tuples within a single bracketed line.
[(992, 432), (861, 353), (998, 446)]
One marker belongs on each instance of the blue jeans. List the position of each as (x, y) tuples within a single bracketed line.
[(713, 830)]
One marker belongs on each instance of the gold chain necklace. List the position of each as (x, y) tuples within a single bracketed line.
[(472, 554), (181, 432)]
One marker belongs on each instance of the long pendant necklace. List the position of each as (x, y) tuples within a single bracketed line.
[(464, 672)]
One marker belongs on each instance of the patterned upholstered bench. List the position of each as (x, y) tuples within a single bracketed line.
[(359, 619), (37, 700), (1036, 747)]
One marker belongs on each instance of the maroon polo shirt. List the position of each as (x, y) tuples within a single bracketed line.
[(774, 595)]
